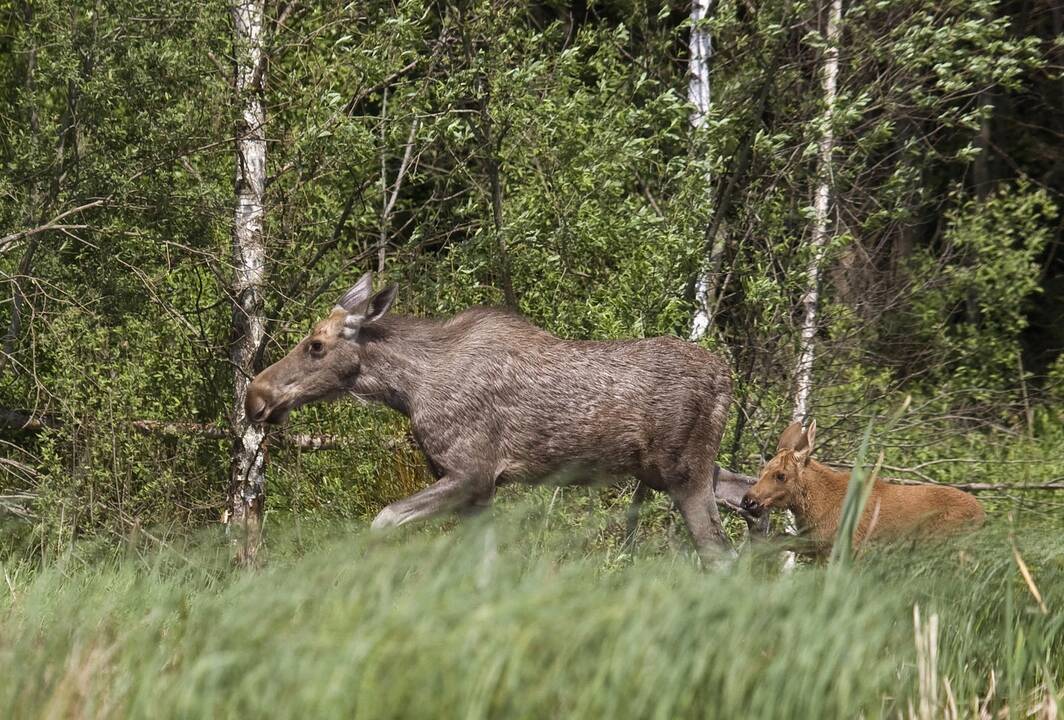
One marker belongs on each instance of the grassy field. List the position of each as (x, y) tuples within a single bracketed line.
[(423, 624)]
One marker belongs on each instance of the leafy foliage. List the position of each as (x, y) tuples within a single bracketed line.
[(464, 148)]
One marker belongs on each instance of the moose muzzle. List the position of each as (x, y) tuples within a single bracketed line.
[(261, 405)]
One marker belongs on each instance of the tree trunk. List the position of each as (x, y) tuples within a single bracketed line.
[(821, 208), (698, 94), (247, 483), (18, 296)]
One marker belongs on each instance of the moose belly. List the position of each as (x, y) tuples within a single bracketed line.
[(524, 455), (580, 473)]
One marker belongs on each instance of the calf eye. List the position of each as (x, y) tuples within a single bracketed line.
[(316, 347), (780, 477)]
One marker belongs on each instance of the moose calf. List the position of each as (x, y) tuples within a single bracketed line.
[(493, 399), (793, 481)]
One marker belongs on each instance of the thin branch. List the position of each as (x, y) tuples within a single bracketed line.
[(20, 421), (53, 224)]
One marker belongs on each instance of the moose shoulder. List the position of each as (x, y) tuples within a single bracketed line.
[(493, 399), (792, 480)]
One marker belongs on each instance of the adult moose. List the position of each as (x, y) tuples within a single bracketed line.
[(493, 399)]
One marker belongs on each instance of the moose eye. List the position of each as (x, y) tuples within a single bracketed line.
[(780, 477), (316, 347)]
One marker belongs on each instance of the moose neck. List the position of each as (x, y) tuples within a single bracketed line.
[(820, 493), (399, 357)]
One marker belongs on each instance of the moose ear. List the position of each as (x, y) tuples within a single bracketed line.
[(806, 448), (379, 304), (791, 437), (368, 311), (357, 294)]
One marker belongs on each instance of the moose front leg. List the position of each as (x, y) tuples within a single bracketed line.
[(451, 492)]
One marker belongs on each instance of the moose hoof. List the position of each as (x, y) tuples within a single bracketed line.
[(386, 518), (720, 560)]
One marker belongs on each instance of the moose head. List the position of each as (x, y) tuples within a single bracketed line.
[(327, 363)]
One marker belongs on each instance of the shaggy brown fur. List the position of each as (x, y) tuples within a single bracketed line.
[(793, 481), (493, 399)]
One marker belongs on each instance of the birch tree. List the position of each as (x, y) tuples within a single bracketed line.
[(700, 45), (247, 491), (821, 208)]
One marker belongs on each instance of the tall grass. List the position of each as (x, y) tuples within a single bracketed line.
[(859, 490), (422, 625)]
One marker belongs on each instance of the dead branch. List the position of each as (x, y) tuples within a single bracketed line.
[(20, 421), (53, 224), (13, 504), (1057, 484), (1054, 484)]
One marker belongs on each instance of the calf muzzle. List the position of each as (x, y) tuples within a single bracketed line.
[(751, 505)]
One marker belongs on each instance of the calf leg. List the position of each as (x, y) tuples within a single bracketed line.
[(450, 492), (699, 510)]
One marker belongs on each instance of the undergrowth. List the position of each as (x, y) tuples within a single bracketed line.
[(529, 618)]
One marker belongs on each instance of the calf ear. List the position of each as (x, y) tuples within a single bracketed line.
[(805, 448), (791, 437), (357, 294)]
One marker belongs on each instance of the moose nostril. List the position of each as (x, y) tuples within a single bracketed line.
[(255, 407)]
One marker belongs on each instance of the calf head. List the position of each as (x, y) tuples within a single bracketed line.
[(778, 486), (325, 364)]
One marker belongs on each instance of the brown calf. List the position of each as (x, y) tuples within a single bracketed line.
[(793, 481)]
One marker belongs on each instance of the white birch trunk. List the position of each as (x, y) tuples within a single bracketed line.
[(247, 490), (700, 46), (821, 210)]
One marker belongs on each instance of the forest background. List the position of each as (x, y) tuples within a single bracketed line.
[(852, 203)]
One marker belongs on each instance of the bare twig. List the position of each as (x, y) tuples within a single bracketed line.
[(1054, 484), (391, 198), (18, 420), (15, 504), (54, 224)]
